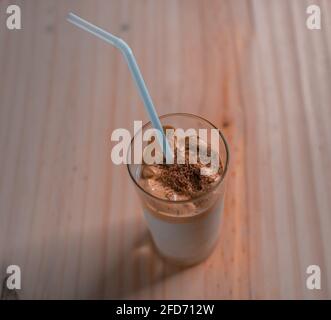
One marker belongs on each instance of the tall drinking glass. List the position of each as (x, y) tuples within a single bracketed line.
[(185, 231)]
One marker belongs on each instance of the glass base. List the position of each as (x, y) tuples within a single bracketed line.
[(180, 262)]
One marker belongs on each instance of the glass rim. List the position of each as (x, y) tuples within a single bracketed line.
[(191, 115)]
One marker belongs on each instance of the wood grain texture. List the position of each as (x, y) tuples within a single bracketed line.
[(71, 219)]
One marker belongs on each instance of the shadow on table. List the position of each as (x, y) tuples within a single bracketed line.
[(140, 269)]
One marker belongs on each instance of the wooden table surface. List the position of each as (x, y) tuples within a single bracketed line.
[(71, 219)]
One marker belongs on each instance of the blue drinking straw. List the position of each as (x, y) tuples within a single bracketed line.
[(133, 66)]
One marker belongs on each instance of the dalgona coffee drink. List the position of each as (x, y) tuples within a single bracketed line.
[(183, 201)]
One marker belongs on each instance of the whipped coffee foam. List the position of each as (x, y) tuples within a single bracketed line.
[(177, 182)]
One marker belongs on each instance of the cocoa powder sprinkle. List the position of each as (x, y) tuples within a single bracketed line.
[(186, 178)]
